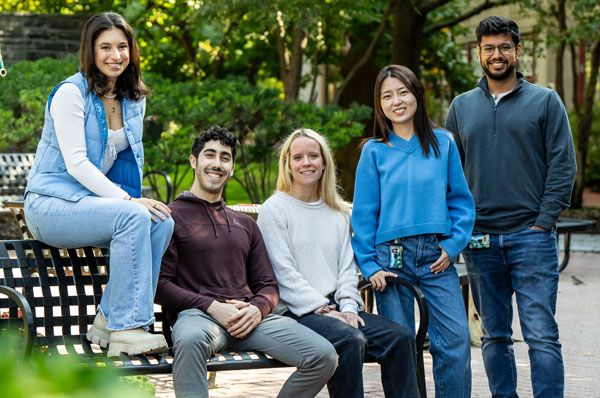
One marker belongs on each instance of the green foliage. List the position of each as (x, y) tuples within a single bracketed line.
[(257, 115), (51, 377), (58, 6), (23, 95), (139, 383), (445, 69)]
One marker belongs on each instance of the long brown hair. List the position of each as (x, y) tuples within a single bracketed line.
[(129, 83), (423, 125)]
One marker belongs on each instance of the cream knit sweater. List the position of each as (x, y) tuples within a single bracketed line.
[(309, 246)]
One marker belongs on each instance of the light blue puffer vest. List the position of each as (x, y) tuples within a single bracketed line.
[(49, 174)]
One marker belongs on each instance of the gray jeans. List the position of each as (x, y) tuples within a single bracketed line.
[(197, 336)]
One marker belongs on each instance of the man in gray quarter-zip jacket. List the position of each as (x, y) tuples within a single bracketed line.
[(517, 152)]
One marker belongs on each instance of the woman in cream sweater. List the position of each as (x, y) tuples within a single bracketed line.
[(306, 228)]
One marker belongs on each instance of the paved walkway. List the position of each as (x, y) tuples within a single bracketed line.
[(578, 315)]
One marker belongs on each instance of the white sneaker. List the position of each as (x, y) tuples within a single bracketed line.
[(98, 333), (135, 342)]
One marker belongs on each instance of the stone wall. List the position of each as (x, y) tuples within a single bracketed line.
[(34, 36)]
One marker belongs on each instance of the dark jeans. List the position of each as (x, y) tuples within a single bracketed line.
[(390, 344)]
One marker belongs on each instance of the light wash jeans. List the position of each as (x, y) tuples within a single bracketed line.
[(450, 342), (525, 263), (197, 336), (136, 248)]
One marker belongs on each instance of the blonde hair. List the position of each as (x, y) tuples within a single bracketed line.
[(328, 188)]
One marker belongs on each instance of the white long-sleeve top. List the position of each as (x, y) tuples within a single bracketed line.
[(67, 111), (309, 247)]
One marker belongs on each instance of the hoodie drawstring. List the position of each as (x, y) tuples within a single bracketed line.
[(226, 215), (211, 219)]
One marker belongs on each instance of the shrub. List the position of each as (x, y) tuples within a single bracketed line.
[(257, 115), (23, 95), (50, 377)]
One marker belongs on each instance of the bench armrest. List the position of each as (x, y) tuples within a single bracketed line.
[(168, 184), (423, 323), (421, 303), (27, 315)]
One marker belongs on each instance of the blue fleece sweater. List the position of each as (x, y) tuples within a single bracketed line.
[(400, 193)]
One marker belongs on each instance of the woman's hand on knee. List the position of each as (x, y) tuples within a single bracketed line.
[(155, 207), (335, 314), (378, 280), (353, 319)]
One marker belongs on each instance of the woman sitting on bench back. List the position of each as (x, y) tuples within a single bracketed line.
[(85, 186)]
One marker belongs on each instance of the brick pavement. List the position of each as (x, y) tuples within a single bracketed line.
[(578, 315)]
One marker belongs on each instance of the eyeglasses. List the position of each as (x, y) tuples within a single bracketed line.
[(505, 49)]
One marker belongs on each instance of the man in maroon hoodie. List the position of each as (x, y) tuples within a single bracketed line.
[(218, 288)]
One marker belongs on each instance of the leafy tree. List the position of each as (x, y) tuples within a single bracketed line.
[(58, 6), (587, 16), (412, 23), (566, 24)]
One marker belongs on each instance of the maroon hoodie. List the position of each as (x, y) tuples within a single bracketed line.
[(215, 254)]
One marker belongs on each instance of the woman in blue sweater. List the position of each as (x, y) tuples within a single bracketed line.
[(412, 215)]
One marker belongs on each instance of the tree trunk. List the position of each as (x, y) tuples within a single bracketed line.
[(585, 125), (560, 51), (218, 64), (358, 89), (408, 35), (575, 79), (366, 57), (290, 65)]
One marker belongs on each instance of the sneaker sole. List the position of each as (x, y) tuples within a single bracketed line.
[(97, 336), (116, 349)]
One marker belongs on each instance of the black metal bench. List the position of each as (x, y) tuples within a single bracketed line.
[(567, 226), (50, 296), (14, 169)]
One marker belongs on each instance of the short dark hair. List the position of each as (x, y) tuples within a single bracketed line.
[(423, 125), (215, 133), (129, 83), (498, 25)]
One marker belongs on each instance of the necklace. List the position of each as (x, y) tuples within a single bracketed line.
[(111, 97)]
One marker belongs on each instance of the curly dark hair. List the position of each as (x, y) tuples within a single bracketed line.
[(498, 25), (129, 83), (215, 133)]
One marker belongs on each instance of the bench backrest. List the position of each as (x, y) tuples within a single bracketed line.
[(14, 169), (63, 288)]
